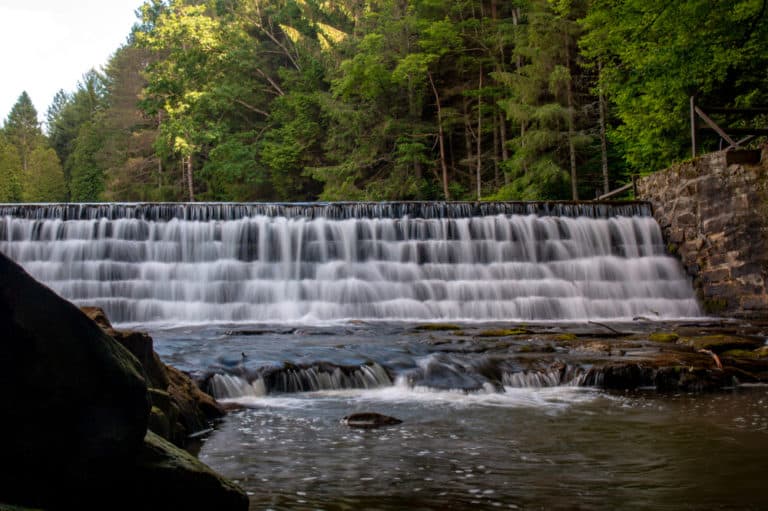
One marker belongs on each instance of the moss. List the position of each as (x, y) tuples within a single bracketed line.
[(503, 332), (740, 354), (430, 327), (720, 343), (159, 423), (663, 337), (672, 249), (565, 337), (714, 305)]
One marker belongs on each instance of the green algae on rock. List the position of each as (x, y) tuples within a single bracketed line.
[(663, 337)]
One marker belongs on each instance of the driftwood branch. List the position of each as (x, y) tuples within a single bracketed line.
[(606, 327)]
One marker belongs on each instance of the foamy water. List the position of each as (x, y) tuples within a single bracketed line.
[(214, 267)]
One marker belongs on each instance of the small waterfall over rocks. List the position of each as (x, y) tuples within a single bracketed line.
[(290, 379), (187, 263)]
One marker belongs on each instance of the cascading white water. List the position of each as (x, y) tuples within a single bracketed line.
[(291, 263)]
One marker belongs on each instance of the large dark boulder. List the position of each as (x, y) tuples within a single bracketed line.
[(180, 408), (74, 397), (75, 411), (170, 478)]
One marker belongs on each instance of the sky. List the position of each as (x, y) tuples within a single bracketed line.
[(47, 45)]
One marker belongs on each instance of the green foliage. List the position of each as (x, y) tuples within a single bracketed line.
[(23, 129), (388, 100), (10, 172), (44, 179), (87, 182), (655, 54)]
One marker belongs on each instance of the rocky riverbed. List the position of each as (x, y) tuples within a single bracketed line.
[(698, 356)]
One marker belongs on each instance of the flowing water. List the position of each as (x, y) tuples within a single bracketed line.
[(312, 263), (305, 313), (481, 428)]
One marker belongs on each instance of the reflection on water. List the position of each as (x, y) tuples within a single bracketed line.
[(559, 447), (544, 448)]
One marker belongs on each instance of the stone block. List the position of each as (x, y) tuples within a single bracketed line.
[(751, 268), (754, 302), (716, 224), (717, 275), (676, 235), (687, 219)]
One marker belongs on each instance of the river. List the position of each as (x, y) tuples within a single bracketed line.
[(463, 443)]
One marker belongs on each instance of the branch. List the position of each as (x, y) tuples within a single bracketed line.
[(251, 107), (271, 81), (280, 45)]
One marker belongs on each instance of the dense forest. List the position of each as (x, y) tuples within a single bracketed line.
[(299, 100)]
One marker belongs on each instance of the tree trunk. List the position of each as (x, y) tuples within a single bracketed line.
[(571, 131), (496, 180), (518, 65), (479, 135), (603, 138), (440, 137), (468, 142), (190, 180), (503, 143)]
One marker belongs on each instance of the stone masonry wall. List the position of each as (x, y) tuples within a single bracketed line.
[(714, 216)]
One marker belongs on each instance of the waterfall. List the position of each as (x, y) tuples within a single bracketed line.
[(289, 379), (366, 261)]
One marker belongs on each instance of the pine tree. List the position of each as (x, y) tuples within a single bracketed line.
[(10, 172), (23, 129)]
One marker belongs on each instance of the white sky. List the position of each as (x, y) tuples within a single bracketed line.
[(47, 45)]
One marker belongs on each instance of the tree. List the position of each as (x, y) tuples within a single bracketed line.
[(23, 129), (178, 84), (10, 172), (654, 54), (542, 101), (44, 179), (87, 179), (69, 113)]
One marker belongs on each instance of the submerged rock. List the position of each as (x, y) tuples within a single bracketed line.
[(437, 327), (369, 420)]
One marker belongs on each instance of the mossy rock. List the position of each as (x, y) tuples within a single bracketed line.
[(715, 306), (502, 332), (664, 337), (566, 337), (762, 352), (739, 354), (159, 423), (437, 327), (171, 478), (720, 343)]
